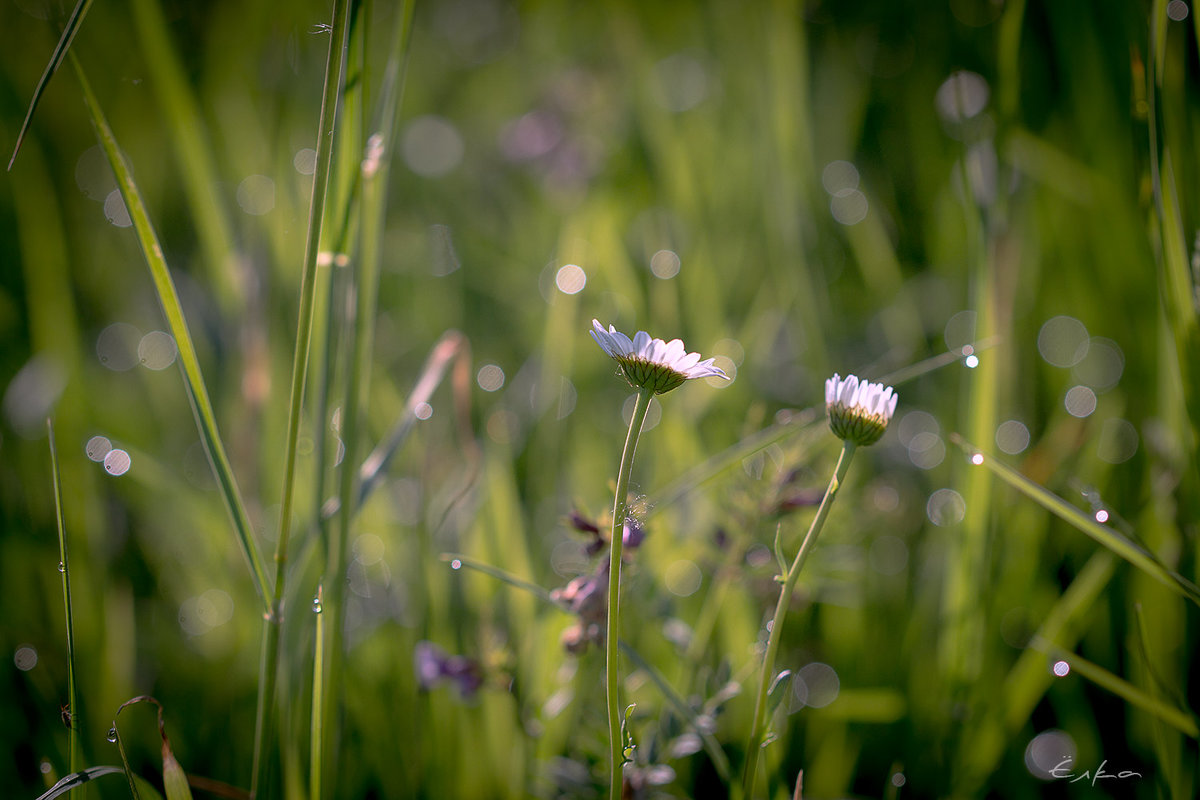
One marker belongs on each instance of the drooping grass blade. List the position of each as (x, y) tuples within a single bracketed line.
[(77, 779)]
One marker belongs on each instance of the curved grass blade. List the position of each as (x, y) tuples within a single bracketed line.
[(56, 58), (70, 714), (77, 779), (175, 781), (197, 392), (1127, 549)]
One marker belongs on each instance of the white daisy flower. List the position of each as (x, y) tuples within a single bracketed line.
[(662, 366), (859, 411)]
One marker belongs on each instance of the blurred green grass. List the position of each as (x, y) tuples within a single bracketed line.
[(537, 135)]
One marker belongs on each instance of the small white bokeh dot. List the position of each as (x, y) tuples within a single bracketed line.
[(116, 462), (570, 279)]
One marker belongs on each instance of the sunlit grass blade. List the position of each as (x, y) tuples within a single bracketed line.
[(1114, 541), (64, 566), (56, 58), (206, 420), (1180, 719), (265, 715), (77, 779)]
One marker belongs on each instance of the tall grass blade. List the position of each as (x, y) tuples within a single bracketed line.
[(168, 297), (265, 722), (56, 58), (1127, 549), (64, 566)]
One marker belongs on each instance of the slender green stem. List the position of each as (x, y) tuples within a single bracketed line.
[(620, 508), (64, 567), (318, 702), (264, 718), (758, 727)]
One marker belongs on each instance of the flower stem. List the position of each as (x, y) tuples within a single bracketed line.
[(776, 630), (620, 508)]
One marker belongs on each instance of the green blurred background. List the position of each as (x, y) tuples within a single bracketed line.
[(794, 188)]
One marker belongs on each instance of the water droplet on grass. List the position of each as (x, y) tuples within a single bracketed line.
[(456, 564), (112, 735), (62, 567), (316, 605)]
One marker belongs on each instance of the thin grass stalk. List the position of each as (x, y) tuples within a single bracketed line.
[(64, 566), (265, 716), (317, 728), (197, 392), (372, 181), (611, 667), (363, 305), (758, 726)]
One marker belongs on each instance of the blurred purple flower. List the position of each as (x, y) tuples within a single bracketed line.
[(434, 667)]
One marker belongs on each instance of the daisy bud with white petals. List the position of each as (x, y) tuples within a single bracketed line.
[(859, 411)]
